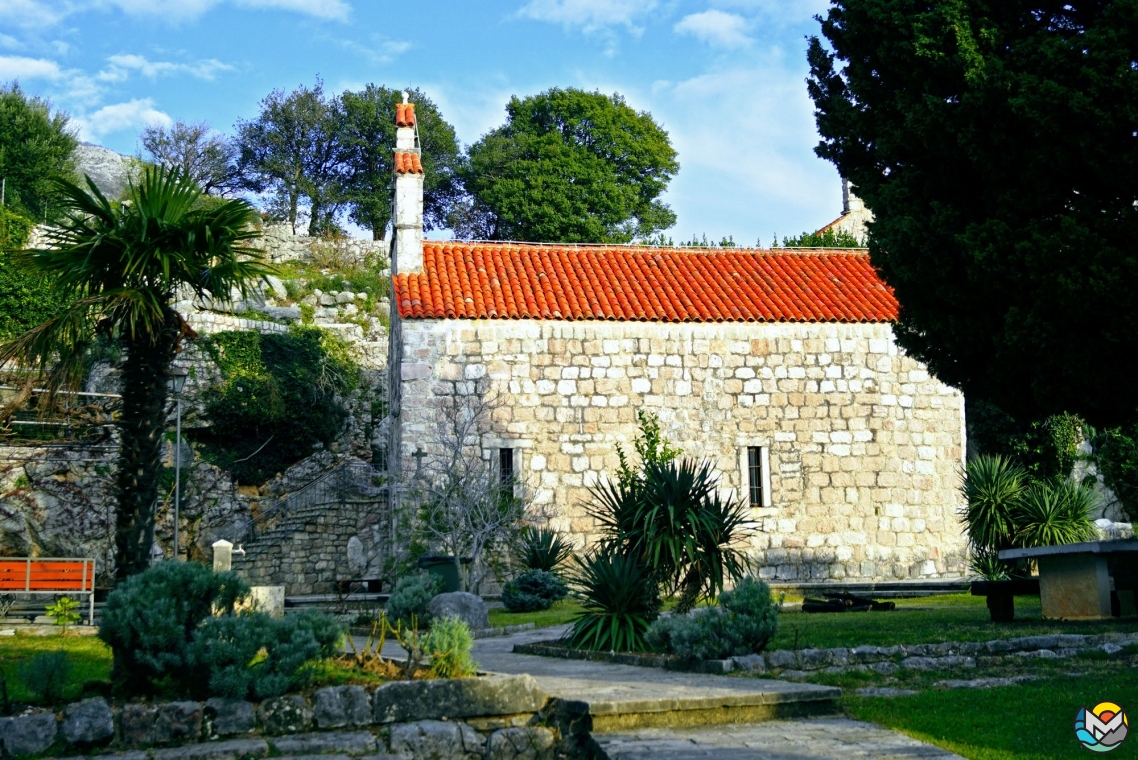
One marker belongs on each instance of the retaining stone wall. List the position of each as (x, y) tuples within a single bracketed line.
[(865, 446)]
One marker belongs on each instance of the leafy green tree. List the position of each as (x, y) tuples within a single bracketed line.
[(830, 238), (369, 124), (569, 166), (204, 156), (123, 263), (995, 144), (36, 147), (26, 298), (295, 151)]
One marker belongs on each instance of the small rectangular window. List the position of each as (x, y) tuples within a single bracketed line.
[(755, 461), (506, 466)]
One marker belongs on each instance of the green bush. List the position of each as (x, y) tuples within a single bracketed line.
[(993, 486), (533, 590), (1053, 513), (150, 619), (619, 600), (540, 549), (1116, 455), (254, 656), (277, 399), (744, 623), (449, 644), (26, 299), (46, 676), (410, 598)]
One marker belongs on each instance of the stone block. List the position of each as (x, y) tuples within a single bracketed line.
[(750, 663), (285, 715), (137, 724), (454, 699), (233, 749), (782, 658), (438, 740), (338, 706), (27, 734), (530, 743), (354, 742), (178, 721), (88, 722), (468, 608), (227, 717)]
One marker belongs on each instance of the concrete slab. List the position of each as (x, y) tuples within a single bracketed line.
[(625, 696)]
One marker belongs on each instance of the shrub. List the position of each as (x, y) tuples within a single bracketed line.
[(533, 590), (45, 676), (150, 618), (619, 597), (1055, 512), (62, 611), (744, 623), (410, 598), (993, 486), (1116, 455), (254, 656), (449, 644), (541, 549)]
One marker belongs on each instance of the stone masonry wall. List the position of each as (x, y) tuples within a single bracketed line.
[(865, 446)]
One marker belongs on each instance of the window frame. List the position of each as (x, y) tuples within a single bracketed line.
[(746, 475)]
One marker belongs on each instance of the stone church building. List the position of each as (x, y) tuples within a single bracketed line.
[(779, 365)]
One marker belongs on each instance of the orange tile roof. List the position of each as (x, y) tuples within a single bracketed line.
[(404, 114), (534, 281), (408, 163)]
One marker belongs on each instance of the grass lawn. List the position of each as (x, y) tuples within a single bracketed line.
[(90, 661), (954, 617), (561, 612), (1030, 721)]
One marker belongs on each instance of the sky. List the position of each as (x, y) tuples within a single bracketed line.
[(725, 78)]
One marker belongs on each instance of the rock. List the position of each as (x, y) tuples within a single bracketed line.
[(455, 699), (234, 749), (1036, 642), (137, 722), (327, 300), (982, 683), (178, 721), (27, 734), (437, 739), (1110, 648), (521, 744), (357, 558), (351, 310), (88, 722), (884, 668), (345, 297), (782, 658), (356, 742), (813, 659), (285, 715), (884, 691), (752, 663), (1040, 654), (277, 286), (468, 608), (226, 717), (283, 313), (866, 654), (338, 706)]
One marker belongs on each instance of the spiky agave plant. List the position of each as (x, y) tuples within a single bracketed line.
[(1055, 512), (619, 600), (541, 549), (992, 486)]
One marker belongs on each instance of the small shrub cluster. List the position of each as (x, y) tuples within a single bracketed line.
[(449, 645), (173, 631), (409, 600), (46, 676), (619, 599), (540, 549), (744, 622), (533, 590)]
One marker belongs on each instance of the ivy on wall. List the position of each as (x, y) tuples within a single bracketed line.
[(279, 399), (26, 299)]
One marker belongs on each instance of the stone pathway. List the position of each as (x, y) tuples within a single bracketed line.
[(804, 739), (611, 688)]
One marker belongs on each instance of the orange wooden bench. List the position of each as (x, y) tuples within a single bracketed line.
[(49, 575)]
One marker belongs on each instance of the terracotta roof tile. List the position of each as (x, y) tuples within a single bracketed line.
[(404, 114), (534, 281), (408, 163)]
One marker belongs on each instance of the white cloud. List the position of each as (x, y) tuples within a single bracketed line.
[(121, 66), (378, 51), (185, 10), (589, 15), (716, 28), (134, 115), (33, 14), (19, 67), (9, 42), (331, 9), (781, 12)]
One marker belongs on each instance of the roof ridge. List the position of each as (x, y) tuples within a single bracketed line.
[(633, 248)]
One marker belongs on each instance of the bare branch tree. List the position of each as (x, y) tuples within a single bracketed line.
[(465, 506)]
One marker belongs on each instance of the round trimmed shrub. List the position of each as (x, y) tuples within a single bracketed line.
[(533, 590), (409, 600)]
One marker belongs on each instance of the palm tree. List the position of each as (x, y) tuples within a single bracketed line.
[(122, 265)]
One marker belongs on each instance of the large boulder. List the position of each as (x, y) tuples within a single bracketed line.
[(468, 608), (27, 734), (88, 722)]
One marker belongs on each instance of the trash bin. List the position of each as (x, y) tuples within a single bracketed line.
[(445, 568)]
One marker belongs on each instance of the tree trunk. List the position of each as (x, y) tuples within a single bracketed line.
[(145, 371)]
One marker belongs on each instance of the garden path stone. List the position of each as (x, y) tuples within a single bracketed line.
[(831, 738), (982, 683), (354, 742), (27, 734), (227, 717), (885, 691), (234, 749)]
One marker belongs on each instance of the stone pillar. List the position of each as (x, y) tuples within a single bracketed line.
[(1074, 587), (222, 556)]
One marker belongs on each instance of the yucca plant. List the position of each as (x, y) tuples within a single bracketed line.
[(541, 549), (619, 600), (992, 487), (673, 520), (1055, 512)]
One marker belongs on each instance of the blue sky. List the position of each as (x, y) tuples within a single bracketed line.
[(724, 77)]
